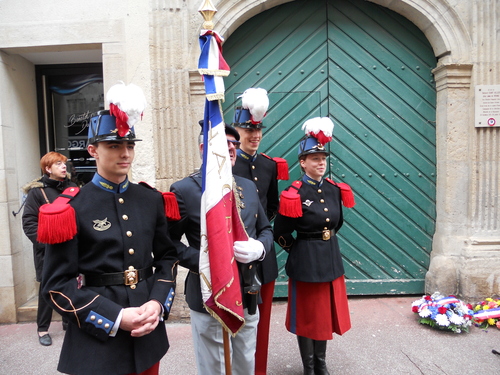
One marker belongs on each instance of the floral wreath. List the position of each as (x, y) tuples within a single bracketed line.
[(445, 313), (487, 313)]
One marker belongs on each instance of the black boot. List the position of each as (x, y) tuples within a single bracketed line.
[(306, 348), (319, 358)]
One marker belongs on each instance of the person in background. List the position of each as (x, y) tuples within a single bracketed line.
[(41, 191), (265, 172), (207, 331), (312, 207), (112, 274)]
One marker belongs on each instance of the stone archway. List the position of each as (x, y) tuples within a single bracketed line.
[(436, 18)]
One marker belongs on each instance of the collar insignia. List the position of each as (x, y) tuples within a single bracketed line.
[(307, 202), (105, 185)]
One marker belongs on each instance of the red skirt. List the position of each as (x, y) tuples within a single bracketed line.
[(316, 310)]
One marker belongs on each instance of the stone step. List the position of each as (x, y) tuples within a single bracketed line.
[(27, 312)]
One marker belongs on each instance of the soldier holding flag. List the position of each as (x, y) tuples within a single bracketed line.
[(208, 329)]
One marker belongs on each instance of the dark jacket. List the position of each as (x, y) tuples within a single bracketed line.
[(262, 171), (313, 259), (115, 231), (34, 200), (188, 194)]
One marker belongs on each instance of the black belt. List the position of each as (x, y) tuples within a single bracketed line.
[(324, 235), (128, 277)]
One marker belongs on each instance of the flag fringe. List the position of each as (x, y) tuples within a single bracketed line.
[(217, 96), (214, 72)]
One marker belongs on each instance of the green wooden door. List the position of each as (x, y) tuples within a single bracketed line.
[(368, 69)]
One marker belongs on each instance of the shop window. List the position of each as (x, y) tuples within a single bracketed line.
[(69, 95)]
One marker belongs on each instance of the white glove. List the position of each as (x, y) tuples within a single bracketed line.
[(248, 251)]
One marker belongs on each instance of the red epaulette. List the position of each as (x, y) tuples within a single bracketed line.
[(57, 220), (281, 167), (169, 203), (346, 193), (290, 202)]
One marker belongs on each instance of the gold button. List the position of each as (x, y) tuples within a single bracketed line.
[(131, 268), (256, 215), (106, 325), (255, 178), (325, 209), (325, 228), (129, 233), (168, 304), (320, 191), (131, 251), (121, 200), (322, 200), (92, 317), (173, 293), (125, 217), (327, 219), (99, 321), (250, 267), (170, 299), (253, 166), (132, 286)]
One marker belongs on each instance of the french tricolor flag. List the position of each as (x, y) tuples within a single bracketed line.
[(220, 226), (212, 65)]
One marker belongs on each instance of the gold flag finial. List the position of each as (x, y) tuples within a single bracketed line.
[(208, 11)]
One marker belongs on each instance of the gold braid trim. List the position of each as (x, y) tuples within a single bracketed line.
[(222, 307), (74, 310)]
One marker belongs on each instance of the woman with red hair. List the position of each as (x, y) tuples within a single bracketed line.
[(41, 191)]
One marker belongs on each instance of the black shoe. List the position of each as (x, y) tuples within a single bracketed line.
[(65, 325), (45, 340)]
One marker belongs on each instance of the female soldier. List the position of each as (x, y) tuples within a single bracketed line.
[(317, 299)]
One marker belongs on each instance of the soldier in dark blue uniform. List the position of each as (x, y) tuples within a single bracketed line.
[(312, 207), (207, 331), (265, 172), (114, 279)]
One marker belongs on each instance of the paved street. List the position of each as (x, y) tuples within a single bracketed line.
[(385, 339)]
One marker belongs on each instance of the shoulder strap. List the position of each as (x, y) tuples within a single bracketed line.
[(57, 220), (346, 193), (44, 195), (169, 203), (281, 167), (290, 202)]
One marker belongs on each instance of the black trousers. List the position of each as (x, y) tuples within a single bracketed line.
[(44, 313)]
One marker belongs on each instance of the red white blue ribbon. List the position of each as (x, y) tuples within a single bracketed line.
[(439, 302), (212, 65), (487, 314)]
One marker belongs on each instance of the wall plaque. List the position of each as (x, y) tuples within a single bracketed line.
[(487, 106)]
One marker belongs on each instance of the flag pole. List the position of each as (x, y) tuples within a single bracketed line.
[(208, 10)]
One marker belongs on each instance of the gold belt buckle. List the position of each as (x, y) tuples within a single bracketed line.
[(131, 276), (326, 234)]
